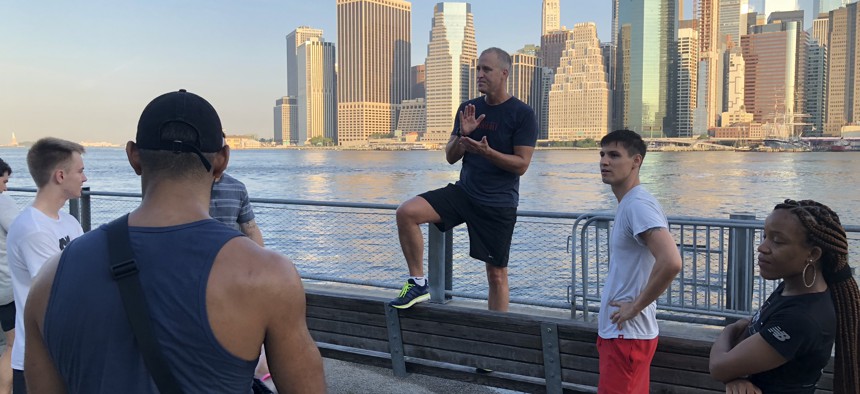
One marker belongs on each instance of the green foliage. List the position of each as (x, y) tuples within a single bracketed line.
[(586, 143), (321, 141), (376, 136)]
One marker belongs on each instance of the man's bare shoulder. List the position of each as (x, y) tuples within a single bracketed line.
[(243, 263)]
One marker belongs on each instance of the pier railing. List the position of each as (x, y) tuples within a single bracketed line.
[(558, 260)]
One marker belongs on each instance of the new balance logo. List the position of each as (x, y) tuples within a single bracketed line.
[(780, 335), (64, 241)]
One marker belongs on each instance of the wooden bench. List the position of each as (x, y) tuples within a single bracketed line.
[(525, 352)]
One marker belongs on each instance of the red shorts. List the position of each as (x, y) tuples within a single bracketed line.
[(625, 365)]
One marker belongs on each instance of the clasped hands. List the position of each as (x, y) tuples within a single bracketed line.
[(468, 124)]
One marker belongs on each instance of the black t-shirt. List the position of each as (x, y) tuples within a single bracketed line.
[(506, 125), (802, 329)]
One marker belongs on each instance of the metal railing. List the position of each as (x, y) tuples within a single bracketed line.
[(558, 260)]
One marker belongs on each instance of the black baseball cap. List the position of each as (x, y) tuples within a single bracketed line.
[(183, 107)]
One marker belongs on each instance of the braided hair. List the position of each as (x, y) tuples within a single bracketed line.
[(825, 231)]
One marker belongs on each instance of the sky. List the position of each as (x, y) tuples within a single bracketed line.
[(84, 70)]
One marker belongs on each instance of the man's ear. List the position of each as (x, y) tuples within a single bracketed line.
[(219, 164), (637, 160), (58, 175), (133, 156)]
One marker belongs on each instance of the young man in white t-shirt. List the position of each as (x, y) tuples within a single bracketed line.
[(42, 230), (644, 261)]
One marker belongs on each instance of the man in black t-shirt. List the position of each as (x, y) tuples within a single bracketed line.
[(495, 135)]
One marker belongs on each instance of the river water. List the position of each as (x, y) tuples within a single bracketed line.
[(363, 247), (705, 184)]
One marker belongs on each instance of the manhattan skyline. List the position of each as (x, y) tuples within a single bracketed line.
[(84, 72)]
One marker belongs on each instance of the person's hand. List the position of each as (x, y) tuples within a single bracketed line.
[(468, 122), (741, 386), (625, 312), (477, 147)]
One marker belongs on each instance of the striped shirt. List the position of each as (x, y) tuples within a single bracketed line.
[(230, 203)]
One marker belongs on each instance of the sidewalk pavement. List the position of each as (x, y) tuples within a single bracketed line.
[(348, 378)]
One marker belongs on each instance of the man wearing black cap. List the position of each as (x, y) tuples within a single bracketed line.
[(214, 296)]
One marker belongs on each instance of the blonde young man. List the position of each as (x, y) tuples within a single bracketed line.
[(42, 230)]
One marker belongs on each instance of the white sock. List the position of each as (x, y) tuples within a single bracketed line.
[(419, 280)]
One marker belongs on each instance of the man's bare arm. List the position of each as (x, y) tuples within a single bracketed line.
[(454, 151), (39, 369), (517, 163), (251, 230), (294, 360), (667, 264)]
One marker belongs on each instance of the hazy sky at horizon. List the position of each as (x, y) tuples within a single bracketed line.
[(84, 70)]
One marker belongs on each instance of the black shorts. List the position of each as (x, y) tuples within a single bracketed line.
[(490, 228), (7, 316)]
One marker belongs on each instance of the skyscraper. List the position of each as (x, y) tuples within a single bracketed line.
[(821, 29), (825, 6), (524, 80), (733, 21), (688, 60), (775, 60), (771, 6), (816, 84), (646, 35), (317, 98), (550, 16), (451, 49), (294, 39), (579, 98), (286, 121), (552, 45), (710, 81), (417, 78), (843, 69), (373, 54)]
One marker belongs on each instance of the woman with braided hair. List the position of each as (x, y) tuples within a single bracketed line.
[(785, 345)]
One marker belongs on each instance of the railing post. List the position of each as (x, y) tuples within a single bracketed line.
[(86, 213), (740, 270), (439, 263), (75, 208)]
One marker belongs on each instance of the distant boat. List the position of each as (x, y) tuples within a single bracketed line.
[(842, 145)]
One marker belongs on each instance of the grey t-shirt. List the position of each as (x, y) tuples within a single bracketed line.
[(8, 212), (230, 203), (630, 265)]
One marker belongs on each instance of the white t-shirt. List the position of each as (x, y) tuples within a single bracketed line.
[(8, 213), (630, 265), (33, 238)]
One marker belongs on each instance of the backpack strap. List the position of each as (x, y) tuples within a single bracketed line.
[(124, 271)]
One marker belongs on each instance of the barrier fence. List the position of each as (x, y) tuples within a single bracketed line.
[(557, 260)]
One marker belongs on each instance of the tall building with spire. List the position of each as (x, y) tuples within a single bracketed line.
[(550, 16), (645, 53), (294, 39), (451, 50), (374, 59), (579, 98)]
